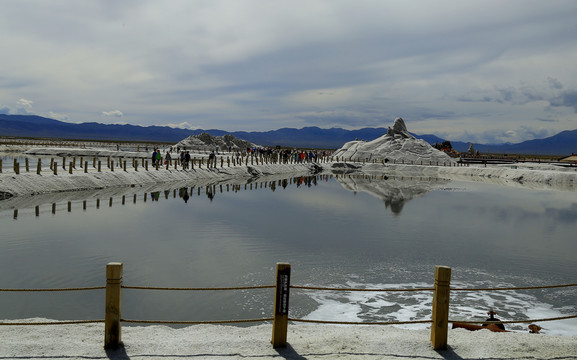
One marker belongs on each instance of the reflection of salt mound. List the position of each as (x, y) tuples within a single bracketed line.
[(396, 145), (206, 141), (395, 191)]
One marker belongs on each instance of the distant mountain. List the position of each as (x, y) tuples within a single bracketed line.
[(36, 126)]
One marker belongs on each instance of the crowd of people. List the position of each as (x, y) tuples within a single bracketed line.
[(284, 156)]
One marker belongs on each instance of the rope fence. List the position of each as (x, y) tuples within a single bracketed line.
[(439, 320)]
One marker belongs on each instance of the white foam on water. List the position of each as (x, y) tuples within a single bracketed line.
[(379, 306)]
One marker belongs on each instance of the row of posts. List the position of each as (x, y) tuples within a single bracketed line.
[(194, 162), (113, 316), (200, 162)]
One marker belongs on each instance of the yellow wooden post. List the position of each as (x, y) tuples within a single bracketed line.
[(112, 329), (440, 326), (281, 305)]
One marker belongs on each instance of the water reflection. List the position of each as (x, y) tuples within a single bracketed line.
[(395, 191), (69, 200)]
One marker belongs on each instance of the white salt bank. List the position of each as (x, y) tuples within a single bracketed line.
[(395, 146)]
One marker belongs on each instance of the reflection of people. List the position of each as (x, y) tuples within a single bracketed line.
[(492, 318)]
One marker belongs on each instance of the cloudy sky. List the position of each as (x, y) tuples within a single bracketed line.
[(483, 71)]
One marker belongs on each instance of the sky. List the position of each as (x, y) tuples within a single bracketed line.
[(479, 71)]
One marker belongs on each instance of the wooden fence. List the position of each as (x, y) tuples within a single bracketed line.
[(439, 321)]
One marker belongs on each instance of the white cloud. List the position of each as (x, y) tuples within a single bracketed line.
[(113, 113), (56, 116), (25, 103), (183, 125)]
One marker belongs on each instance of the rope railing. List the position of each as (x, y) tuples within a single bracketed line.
[(515, 321), (56, 289), (195, 322), (66, 322), (199, 288), (361, 323), (357, 289), (515, 288), (439, 319)]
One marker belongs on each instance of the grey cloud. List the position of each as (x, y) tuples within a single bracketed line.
[(567, 98), (546, 120), (554, 83)]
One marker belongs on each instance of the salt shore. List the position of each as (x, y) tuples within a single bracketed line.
[(76, 342), (532, 175)]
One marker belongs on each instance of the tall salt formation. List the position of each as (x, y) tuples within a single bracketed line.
[(397, 145)]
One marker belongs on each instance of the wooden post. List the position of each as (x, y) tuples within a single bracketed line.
[(70, 168), (26, 163), (39, 166), (55, 167), (16, 167), (112, 329), (99, 165), (0, 165), (86, 167), (281, 305), (440, 326)]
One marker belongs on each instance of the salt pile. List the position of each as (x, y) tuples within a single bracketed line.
[(206, 141), (395, 146)]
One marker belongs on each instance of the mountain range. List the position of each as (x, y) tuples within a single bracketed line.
[(563, 143)]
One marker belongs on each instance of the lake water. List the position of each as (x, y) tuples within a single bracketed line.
[(362, 232)]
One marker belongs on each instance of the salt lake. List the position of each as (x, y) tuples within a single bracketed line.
[(347, 231)]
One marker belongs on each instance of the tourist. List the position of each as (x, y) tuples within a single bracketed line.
[(167, 158), (154, 157), (158, 157)]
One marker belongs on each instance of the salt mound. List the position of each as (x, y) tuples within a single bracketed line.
[(206, 141), (396, 145)]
